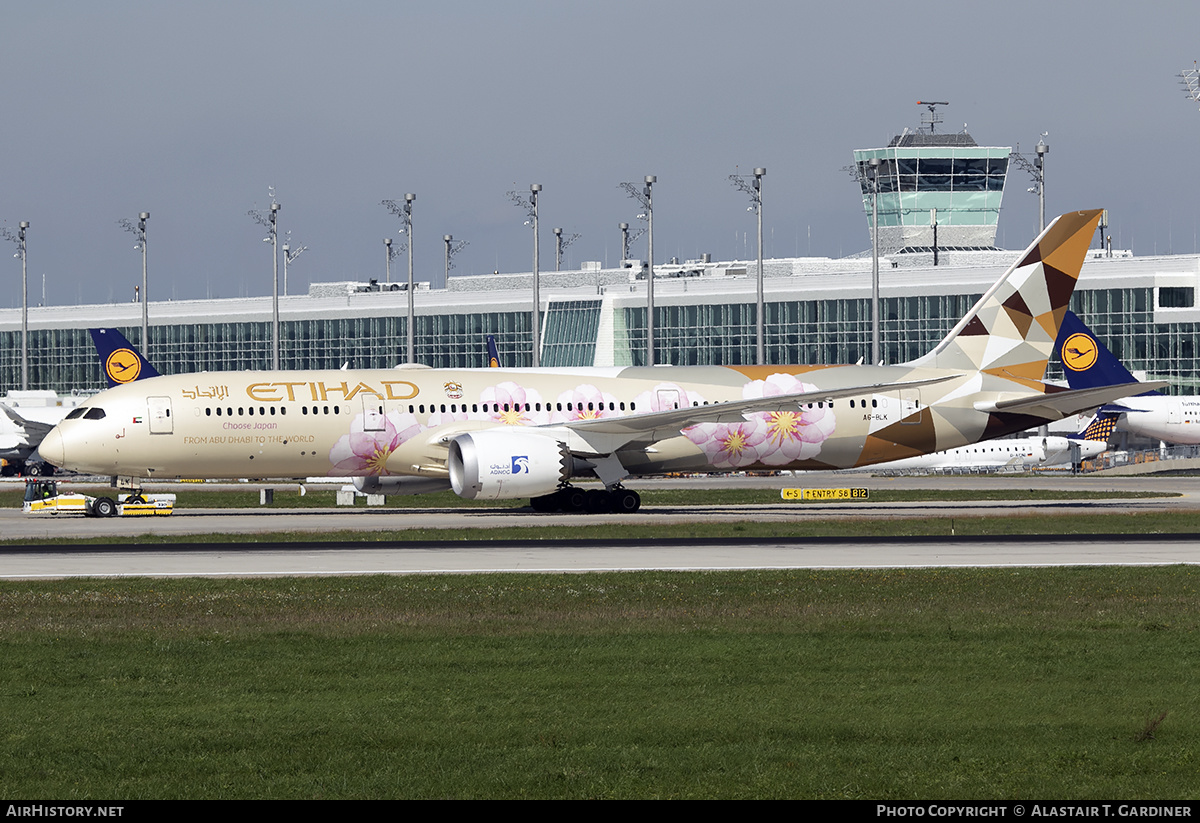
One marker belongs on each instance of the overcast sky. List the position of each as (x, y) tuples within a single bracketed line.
[(191, 111)]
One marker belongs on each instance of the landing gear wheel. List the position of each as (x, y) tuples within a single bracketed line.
[(104, 507), (545, 503), (572, 499), (626, 501), (598, 501)]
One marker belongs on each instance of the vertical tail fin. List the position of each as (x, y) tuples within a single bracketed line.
[(119, 360), (1012, 329), (1101, 427), (493, 355), (1086, 361)]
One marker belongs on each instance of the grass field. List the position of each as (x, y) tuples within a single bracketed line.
[(1051, 683)]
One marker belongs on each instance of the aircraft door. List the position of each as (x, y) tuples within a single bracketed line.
[(373, 414), (668, 399), (160, 415), (911, 409)]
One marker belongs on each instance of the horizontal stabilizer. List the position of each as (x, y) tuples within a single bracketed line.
[(1058, 405)]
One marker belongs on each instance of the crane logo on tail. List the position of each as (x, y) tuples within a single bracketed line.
[(122, 366), (1079, 353)]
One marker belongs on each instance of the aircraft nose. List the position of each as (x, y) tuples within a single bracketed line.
[(52, 449)]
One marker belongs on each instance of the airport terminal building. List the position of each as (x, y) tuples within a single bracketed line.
[(817, 309)]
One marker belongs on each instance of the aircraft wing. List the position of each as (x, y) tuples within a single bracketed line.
[(20, 437), (1058, 405), (34, 431), (605, 435)]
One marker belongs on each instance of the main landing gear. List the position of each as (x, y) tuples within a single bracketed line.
[(592, 501)]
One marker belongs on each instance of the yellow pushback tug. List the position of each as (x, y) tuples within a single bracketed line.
[(43, 497)]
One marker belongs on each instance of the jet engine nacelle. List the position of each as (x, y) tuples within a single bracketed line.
[(501, 465), (401, 485)]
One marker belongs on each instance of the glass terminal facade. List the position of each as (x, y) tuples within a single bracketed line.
[(1143, 325)]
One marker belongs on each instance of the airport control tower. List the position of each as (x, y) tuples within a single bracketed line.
[(927, 176)]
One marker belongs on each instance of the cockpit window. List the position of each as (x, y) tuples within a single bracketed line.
[(76, 413), (94, 414)]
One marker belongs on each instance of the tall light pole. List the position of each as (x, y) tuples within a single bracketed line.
[(404, 212), (560, 245), (19, 239), (647, 191), (755, 191), (138, 230), (1041, 148), (873, 177), (627, 238), (537, 297), (452, 249), (1036, 170), (390, 255), (271, 221), (290, 254), (530, 205), (646, 199)]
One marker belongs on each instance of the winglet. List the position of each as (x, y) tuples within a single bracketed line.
[(119, 360)]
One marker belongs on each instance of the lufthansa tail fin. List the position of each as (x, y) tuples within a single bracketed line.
[(119, 360), (1011, 331), (1101, 427), (493, 355), (1086, 361)]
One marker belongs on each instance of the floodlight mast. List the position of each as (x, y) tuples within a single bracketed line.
[(534, 189), (645, 198), (138, 230), (452, 249), (19, 239), (390, 255), (271, 221), (289, 254), (404, 212), (530, 205), (627, 238), (873, 177), (1190, 79), (1037, 170), (754, 189), (560, 245)]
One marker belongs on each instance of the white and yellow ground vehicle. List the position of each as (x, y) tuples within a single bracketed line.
[(43, 497)]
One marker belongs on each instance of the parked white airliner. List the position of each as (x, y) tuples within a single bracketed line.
[(510, 433), (1087, 362)]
